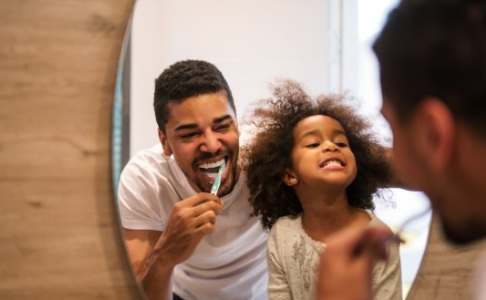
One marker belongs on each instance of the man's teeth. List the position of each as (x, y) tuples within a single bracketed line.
[(215, 164), (332, 163)]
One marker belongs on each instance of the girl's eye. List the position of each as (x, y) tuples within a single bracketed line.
[(341, 144), (313, 145)]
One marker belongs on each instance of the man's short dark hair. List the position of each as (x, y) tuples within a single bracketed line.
[(185, 79), (436, 48)]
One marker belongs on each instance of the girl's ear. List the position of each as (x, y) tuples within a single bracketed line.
[(165, 144), (289, 178)]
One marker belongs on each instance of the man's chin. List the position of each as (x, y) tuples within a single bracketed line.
[(224, 190), (464, 236)]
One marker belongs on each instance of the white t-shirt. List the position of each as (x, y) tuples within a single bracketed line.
[(293, 263), (229, 263)]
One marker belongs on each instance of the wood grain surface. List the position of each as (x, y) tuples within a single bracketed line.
[(59, 231)]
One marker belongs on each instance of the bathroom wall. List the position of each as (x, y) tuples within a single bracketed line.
[(253, 44)]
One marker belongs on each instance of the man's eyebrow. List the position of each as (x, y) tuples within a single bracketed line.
[(221, 119), (194, 125), (186, 126)]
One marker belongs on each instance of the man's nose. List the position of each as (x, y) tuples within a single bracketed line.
[(210, 143)]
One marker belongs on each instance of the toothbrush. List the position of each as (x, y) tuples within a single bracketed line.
[(217, 181), (396, 237)]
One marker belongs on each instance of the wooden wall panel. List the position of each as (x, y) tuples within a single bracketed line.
[(59, 233)]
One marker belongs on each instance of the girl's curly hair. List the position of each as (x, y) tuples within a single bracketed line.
[(268, 153)]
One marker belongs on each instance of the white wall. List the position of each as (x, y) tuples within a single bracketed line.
[(251, 42)]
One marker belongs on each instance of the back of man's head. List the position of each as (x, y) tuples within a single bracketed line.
[(436, 48)]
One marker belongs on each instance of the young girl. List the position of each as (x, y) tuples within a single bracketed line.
[(312, 169)]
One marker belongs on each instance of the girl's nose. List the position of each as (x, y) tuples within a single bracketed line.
[(330, 146)]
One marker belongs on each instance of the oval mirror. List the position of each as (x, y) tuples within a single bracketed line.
[(323, 44)]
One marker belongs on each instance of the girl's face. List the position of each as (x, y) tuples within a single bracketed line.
[(321, 155)]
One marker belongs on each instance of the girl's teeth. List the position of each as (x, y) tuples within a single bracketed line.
[(332, 162)]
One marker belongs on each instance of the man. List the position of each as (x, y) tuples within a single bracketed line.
[(180, 238), (432, 57)]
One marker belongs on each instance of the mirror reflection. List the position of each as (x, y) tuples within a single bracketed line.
[(325, 46)]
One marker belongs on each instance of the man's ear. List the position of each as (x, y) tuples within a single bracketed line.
[(165, 143), (436, 132), (289, 178)]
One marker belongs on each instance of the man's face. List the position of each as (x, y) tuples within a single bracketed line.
[(202, 133), (406, 160), (416, 147)]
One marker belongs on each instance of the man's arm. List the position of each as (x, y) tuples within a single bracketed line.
[(154, 254), (140, 245)]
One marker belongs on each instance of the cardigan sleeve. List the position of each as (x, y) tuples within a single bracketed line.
[(278, 286), (387, 276)]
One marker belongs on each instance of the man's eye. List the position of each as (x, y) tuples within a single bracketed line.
[(188, 135), (223, 127)]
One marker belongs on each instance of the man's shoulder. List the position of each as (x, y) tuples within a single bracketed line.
[(153, 151), (149, 156), (149, 164)]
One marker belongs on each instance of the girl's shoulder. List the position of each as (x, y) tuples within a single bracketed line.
[(287, 222), (375, 221)]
